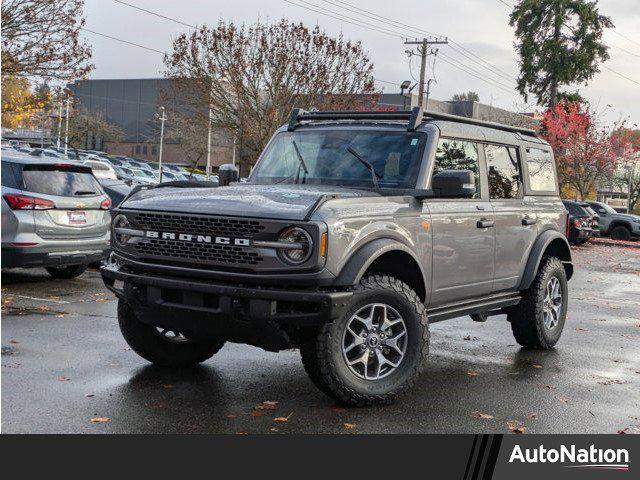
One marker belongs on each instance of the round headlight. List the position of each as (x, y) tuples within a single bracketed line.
[(299, 236), (120, 222)]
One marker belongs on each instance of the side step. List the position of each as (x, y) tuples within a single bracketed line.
[(490, 305)]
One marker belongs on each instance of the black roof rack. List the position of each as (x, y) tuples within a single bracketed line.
[(414, 117)]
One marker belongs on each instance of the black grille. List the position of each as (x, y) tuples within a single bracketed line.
[(196, 253), (198, 225)]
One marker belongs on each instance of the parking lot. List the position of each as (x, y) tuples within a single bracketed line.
[(64, 363)]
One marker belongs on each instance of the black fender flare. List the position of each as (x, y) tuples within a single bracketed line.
[(537, 252), (362, 259)]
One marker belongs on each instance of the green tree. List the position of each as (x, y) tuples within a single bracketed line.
[(469, 96), (559, 43)]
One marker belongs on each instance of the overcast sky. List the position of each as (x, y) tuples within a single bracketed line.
[(479, 29)]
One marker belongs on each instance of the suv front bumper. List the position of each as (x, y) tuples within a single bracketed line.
[(163, 299)]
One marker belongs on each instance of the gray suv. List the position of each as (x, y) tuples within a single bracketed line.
[(54, 215), (353, 233), (618, 226)]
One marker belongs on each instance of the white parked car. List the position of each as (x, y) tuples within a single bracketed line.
[(101, 169)]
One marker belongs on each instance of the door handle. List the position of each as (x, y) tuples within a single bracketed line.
[(484, 223), (526, 221)]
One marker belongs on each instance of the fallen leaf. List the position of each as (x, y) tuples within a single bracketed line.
[(535, 365), (283, 419), (484, 416), (42, 307), (582, 329), (102, 299), (167, 385), (231, 415), (60, 315), (14, 341), (63, 379), (257, 413), (532, 416), (274, 429), (516, 427), (349, 426), (89, 395), (563, 400), (472, 373), (624, 430), (268, 405), (99, 419), (339, 409)]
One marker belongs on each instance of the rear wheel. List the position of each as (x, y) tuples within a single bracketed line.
[(537, 321), (373, 354), (72, 271), (620, 233), (161, 346)]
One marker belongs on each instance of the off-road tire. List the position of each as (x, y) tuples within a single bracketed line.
[(146, 342), (527, 318), (620, 233), (323, 359), (66, 273)]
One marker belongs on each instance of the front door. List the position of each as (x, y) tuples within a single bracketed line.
[(463, 230)]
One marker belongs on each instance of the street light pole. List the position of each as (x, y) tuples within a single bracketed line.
[(162, 119), (630, 172), (59, 122), (209, 144), (66, 130)]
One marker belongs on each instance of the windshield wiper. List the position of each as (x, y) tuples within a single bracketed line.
[(374, 175), (84, 192), (302, 164)]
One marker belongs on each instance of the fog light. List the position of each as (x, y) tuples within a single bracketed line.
[(120, 222)]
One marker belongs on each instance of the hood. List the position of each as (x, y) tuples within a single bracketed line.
[(626, 216), (285, 202)]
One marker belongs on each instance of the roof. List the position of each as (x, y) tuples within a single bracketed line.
[(25, 158)]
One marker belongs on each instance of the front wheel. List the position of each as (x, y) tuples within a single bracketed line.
[(374, 353), (537, 321), (620, 233), (161, 346)]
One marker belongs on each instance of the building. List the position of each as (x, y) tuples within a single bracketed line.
[(132, 105)]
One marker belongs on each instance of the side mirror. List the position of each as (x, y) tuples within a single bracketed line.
[(602, 211), (227, 173), (454, 184)]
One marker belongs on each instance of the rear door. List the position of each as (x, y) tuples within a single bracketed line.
[(515, 226), (463, 233), (76, 196)]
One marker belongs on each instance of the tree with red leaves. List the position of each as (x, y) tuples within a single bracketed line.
[(585, 151)]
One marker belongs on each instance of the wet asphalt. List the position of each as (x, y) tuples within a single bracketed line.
[(64, 362)]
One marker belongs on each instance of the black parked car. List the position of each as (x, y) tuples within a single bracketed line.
[(583, 222)]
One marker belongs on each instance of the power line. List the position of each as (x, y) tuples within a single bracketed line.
[(625, 37), (156, 14), (453, 44), (123, 41), (489, 81), (180, 22), (621, 75)]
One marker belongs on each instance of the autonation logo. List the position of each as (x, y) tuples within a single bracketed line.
[(591, 458)]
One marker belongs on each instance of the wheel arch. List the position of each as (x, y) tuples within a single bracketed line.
[(548, 243), (619, 223), (388, 256)]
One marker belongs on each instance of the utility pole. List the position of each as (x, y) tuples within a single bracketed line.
[(235, 138), (59, 122), (66, 129), (423, 50), (162, 118), (209, 143)]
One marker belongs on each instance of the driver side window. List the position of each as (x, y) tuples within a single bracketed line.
[(455, 154)]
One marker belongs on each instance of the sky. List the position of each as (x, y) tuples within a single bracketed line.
[(481, 42)]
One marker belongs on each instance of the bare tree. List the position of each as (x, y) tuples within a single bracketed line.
[(41, 38), (88, 128), (253, 76)]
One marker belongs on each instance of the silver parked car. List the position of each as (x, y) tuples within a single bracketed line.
[(54, 215)]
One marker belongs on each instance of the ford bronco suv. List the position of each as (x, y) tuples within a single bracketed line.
[(354, 232)]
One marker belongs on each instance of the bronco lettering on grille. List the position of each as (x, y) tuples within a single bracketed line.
[(187, 237)]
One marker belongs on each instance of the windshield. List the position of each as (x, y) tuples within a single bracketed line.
[(330, 157), (607, 208)]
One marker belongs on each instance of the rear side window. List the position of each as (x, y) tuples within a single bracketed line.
[(573, 208), (542, 176), (10, 178), (458, 155), (61, 181), (503, 170)]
